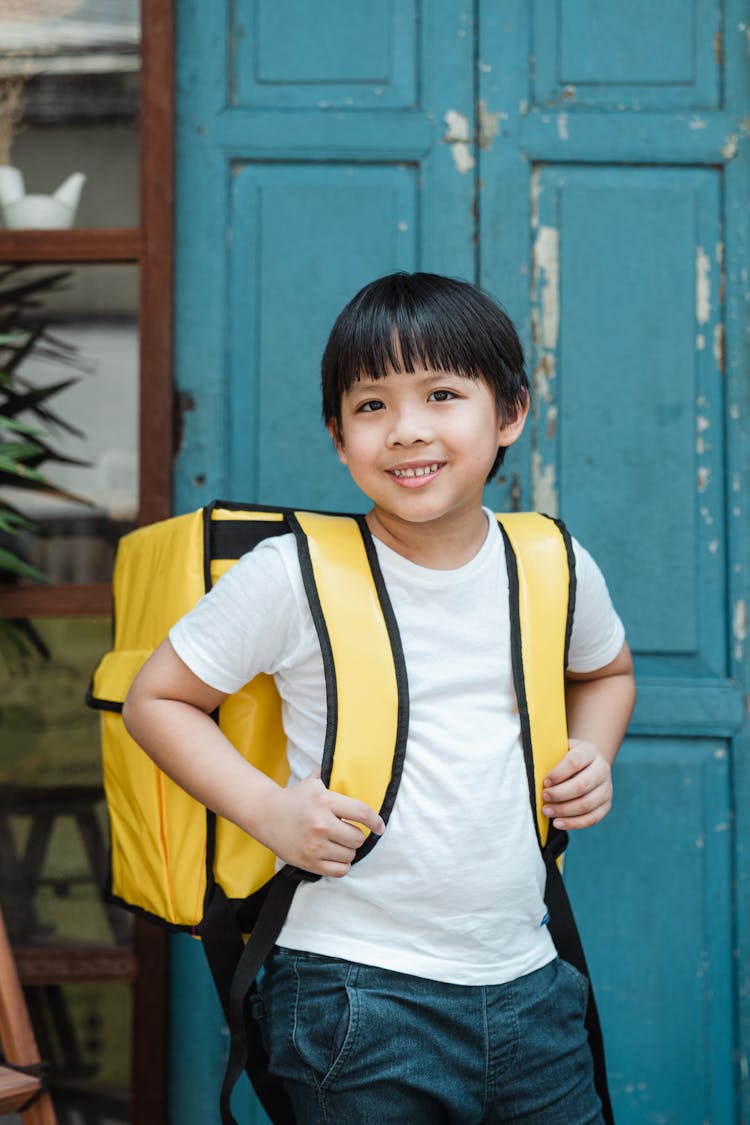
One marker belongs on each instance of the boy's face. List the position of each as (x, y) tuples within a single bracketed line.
[(420, 444)]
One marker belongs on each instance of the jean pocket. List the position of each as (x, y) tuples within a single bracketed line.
[(325, 1019), (579, 983)]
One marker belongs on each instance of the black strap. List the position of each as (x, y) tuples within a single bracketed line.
[(234, 967), (567, 941)]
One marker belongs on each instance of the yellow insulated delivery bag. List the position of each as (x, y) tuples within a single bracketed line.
[(174, 860)]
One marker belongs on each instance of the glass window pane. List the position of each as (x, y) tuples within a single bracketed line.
[(82, 324), (69, 78)]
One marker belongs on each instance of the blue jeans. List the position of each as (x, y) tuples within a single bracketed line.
[(356, 1045)]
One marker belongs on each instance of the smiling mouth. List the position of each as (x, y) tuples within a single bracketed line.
[(418, 471)]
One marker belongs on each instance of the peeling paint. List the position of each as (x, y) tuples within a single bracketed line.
[(739, 627), (536, 192), (488, 124), (562, 126), (402, 226), (697, 123), (729, 148), (720, 753), (458, 136), (734, 412), (569, 93), (544, 371), (551, 422), (704, 476), (707, 517), (544, 485), (700, 342), (702, 424), (547, 269), (719, 346), (702, 285), (713, 547), (484, 67), (736, 482)]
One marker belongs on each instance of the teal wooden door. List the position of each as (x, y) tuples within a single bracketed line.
[(613, 213), (587, 162)]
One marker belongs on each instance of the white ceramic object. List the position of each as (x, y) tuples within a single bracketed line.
[(43, 212), (11, 184)]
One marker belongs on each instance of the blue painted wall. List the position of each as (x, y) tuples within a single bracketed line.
[(588, 163)]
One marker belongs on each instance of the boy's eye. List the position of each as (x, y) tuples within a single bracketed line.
[(442, 396), (369, 406)]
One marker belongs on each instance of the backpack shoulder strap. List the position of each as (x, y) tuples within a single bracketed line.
[(366, 684), (541, 575)]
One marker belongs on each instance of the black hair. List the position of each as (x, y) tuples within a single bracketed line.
[(409, 320)]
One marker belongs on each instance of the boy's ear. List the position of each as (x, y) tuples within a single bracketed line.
[(511, 431), (337, 440)]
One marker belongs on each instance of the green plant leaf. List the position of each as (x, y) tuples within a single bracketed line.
[(16, 565), (12, 522)]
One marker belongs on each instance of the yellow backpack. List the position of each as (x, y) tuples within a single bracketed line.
[(173, 859)]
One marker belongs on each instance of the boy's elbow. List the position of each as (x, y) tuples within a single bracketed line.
[(130, 711)]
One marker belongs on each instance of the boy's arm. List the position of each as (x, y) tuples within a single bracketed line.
[(578, 791), (167, 711)]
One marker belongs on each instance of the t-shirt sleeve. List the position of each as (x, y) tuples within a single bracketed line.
[(248, 623), (598, 633)]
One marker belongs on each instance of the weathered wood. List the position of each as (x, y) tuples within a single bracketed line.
[(72, 965), (156, 278), (55, 601), (17, 1035), (104, 244)]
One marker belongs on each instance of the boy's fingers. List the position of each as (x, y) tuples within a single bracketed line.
[(581, 806), (347, 808), (576, 759), (578, 785), (570, 823)]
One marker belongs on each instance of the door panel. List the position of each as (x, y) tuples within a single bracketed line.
[(604, 54), (307, 229), (633, 385), (658, 936)]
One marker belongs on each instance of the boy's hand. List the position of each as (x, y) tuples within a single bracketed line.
[(578, 791), (311, 827)]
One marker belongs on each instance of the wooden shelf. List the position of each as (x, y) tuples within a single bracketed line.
[(56, 601), (62, 965), (94, 244)]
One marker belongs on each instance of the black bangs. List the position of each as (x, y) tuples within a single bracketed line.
[(406, 321)]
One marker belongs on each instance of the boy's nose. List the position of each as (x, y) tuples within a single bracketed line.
[(410, 427)]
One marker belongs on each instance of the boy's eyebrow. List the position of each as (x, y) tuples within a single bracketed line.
[(426, 376)]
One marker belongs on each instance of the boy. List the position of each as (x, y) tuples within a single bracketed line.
[(420, 985)]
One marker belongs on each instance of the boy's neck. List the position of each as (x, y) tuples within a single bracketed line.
[(436, 545)]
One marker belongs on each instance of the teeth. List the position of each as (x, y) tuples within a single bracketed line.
[(420, 472)]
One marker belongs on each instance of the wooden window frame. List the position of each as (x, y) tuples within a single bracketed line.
[(149, 246)]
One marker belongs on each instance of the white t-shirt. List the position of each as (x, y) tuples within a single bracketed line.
[(453, 890)]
